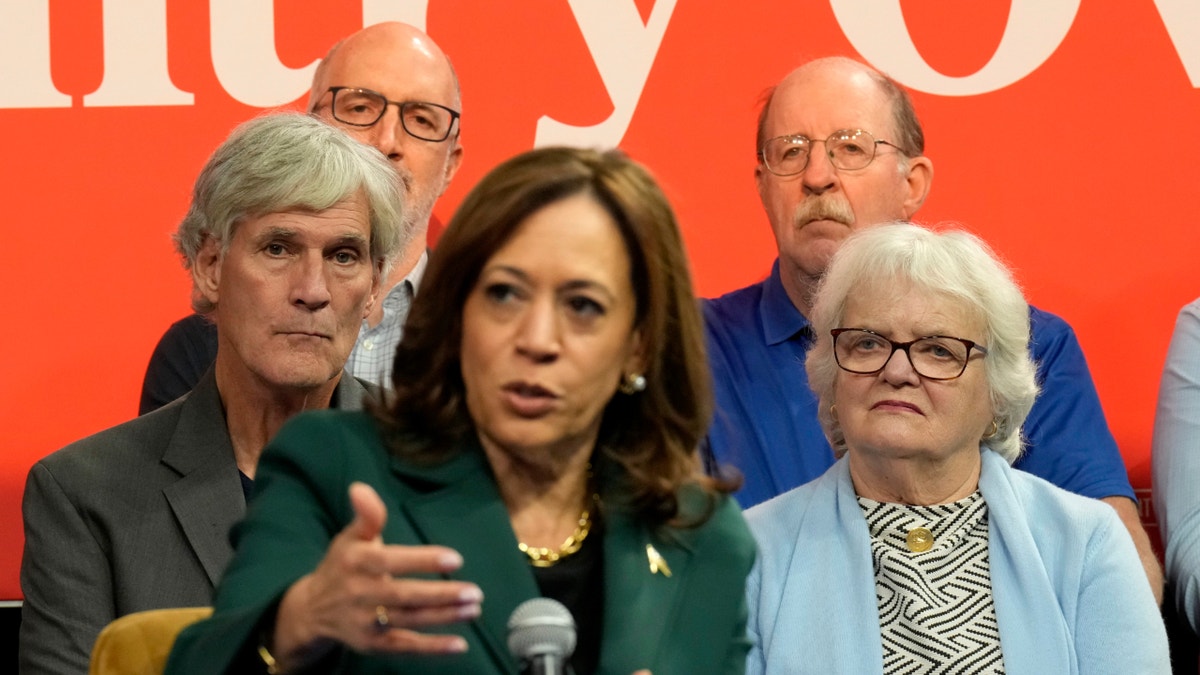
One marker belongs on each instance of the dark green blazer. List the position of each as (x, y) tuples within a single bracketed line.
[(692, 622)]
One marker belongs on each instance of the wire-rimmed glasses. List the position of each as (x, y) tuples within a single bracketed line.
[(847, 149)]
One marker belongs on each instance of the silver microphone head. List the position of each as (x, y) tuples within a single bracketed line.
[(541, 627)]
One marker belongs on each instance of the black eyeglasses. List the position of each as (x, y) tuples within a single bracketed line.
[(935, 357), (421, 119), (847, 149)]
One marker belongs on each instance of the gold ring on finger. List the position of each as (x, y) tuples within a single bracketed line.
[(382, 622)]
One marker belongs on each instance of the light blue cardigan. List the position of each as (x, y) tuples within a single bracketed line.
[(1070, 593)]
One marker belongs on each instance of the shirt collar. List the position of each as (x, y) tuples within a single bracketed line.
[(418, 271), (781, 321), (407, 287)]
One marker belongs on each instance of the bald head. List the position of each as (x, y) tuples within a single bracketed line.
[(814, 210), (394, 44), (402, 65), (840, 71)]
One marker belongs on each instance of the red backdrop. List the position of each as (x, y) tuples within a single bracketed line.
[(1062, 132)]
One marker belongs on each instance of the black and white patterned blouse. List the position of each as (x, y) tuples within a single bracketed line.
[(933, 585)]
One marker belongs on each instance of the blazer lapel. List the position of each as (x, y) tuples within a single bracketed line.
[(634, 630), (207, 499), (351, 392), (468, 515)]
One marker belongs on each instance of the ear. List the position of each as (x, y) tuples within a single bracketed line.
[(761, 175), (376, 286), (918, 182), (206, 270), (453, 162)]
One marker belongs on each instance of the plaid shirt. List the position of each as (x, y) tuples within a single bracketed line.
[(371, 358)]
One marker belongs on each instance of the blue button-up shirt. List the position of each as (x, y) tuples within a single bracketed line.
[(766, 424)]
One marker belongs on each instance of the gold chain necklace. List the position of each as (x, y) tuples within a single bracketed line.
[(545, 557)]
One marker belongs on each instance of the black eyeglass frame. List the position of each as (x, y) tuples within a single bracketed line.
[(904, 346), (762, 151), (455, 115)]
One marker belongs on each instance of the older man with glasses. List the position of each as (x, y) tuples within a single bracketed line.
[(389, 86), (840, 148)]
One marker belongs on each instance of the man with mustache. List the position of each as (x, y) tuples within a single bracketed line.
[(391, 87), (840, 148)]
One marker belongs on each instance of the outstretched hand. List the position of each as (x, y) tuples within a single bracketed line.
[(362, 594)]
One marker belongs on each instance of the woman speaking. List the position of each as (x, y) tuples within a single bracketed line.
[(551, 391), (921, 550)]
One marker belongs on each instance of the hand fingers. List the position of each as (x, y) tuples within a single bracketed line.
[(373, 580), (407, 641), (348, 556), (383, 629), (412, 602), (370, 513), (399, 560), (384, 617)]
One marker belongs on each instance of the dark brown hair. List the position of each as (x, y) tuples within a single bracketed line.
[(648, 439)]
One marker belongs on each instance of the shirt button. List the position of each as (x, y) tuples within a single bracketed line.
[(919, 540), (368, 344)]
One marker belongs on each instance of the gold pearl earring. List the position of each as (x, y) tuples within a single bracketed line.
[(633, 383)]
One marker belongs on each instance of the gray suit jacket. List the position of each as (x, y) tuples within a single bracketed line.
[(135, 517)]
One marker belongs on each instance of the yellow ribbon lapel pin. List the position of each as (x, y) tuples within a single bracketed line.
[(657, 562)]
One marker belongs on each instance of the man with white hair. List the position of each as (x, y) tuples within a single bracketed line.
[(289, 235), (391, 87)]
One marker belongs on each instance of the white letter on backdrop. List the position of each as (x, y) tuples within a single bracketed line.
[(244, 57), (412, 12), (877, 30), (135, 57), (25, 80), (623, 49), (1182, 19)]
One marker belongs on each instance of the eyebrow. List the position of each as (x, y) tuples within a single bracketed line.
[(276, 232), (917, 334), (570, 285), (355, 239), (347, 239)]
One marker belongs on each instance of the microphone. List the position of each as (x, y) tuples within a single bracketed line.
[(541, 635)]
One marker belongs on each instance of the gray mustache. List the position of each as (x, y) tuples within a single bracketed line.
[(824, 208)]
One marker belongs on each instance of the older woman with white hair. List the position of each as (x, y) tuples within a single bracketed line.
[(930, 552)]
